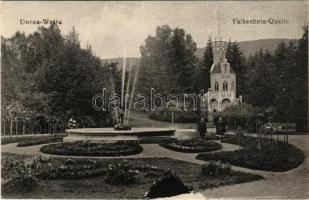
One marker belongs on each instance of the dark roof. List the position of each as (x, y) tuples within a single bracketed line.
[(217, 69)]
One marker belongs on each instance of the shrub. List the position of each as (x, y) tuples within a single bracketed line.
[(180, 116), (216, 168), (192, 146), (151, 171), (244, 116), (19, 175), (121, 173), (82, 148)]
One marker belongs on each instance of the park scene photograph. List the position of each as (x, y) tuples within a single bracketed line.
[(154, 100)]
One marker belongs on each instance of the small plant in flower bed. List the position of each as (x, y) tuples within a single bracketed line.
[(42, 140), (84, 148), (72, 170), (216, 168), (18, 175), (121, 173), (151, 171), (271, 156), (192, 146)]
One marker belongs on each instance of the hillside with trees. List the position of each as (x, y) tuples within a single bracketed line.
[(47, 76), (276, 82)]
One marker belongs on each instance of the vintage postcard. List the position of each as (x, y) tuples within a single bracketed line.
[(154, 100)]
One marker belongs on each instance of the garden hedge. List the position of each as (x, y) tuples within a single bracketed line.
[(180, 116)]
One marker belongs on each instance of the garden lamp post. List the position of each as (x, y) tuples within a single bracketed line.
[(259, 117), (285, 119), (208, 102)]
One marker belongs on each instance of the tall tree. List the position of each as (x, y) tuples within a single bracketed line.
[(236, 59), (182, 59), (167, 62), (52, 75), (202, 73), (301, 72)]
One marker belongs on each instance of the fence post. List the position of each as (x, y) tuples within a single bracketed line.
[(4, 131)]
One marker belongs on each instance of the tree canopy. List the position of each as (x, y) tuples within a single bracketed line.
[(51, 75)]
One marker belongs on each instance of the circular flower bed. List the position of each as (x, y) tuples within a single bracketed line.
[(263, 154), (192, 146), (92, 149)]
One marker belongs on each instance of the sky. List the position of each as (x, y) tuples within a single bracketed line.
[(118, 29)]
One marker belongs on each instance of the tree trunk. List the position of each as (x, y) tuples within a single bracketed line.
[(16, 128), (4, 131), (11, 128)]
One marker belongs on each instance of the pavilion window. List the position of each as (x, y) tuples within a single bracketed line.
[(225, 86), (216, 86)]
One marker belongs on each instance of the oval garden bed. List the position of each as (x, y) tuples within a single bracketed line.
[(272, 155), (92, 149), (192, 146)]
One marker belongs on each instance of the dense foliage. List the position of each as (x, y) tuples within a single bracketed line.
[(201, 76), (245, 117), (86, 148), (179, 116), (48, 75), (167, 62), (18, 175), (192, 146), (272, 156), (280, 80), (121, 173), (268, 80)]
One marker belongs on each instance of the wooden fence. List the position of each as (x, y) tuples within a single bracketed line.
[(31, 127)]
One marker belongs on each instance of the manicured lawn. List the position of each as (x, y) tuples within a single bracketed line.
[(96, 186), (29, 140), (42, 140), (272, 156)]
